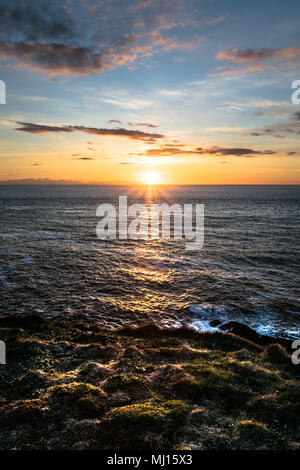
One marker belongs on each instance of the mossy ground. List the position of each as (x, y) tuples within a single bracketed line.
[(79, 386)]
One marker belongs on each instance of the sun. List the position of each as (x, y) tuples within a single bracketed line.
[(151, 178)]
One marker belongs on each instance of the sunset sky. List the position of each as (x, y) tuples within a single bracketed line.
[(190, 92)]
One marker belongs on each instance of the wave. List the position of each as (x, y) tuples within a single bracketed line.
[(212, 317)]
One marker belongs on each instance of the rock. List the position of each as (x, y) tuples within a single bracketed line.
[(94, 372), (255, 435), (84, 427), (96, 351), (242, 330), (61, 346), (118, 399), (164, 374), (82, 445), (246, 332), (77, 399), (215, 322), (132, 352), (89, 351), (198, 416), (25, 411), (109, 352), (150, 330), (36, 378), (242, 355), (277, 354), (82, 432), (22, 321)]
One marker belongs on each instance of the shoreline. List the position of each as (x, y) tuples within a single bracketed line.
[(235, 327), (81, 386)]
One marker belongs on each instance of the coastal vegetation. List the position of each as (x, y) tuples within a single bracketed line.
[(80, 386)]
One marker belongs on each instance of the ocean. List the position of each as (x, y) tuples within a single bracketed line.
[(53, 264)]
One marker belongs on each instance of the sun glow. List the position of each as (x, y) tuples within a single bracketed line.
[(151, 178)]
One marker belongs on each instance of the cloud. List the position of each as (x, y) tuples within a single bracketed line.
[(142, 124), (39, 19), (276, 130), (123, 99), (114, 121), (256, 55), (236, 151), (41, 36), (40, 128), (263, 103), (39, 181), (226, 129), (83, 158), (242, 70), (170, 43), (216, 20), (166, 14), (173, 93), (33, 128), (168, 152), (215, 150), (55, 58), (257, 60), (64, 37)]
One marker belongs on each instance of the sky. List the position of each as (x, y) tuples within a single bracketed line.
[(161, 91)]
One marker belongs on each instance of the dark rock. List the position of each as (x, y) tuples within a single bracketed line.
[(132, 352), (198, 416), (165, 374), (82, 445), (61, 346), (243, 355), (96, 351), (246, 332), (36, 378), (25, 411), (22, 321), (242, 330), (83, 429), (277, 354), (94, 372), (118, 399)]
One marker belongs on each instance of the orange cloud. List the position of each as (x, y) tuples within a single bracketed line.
[(255, 55)]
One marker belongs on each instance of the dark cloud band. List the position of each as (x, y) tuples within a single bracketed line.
[(217, 151), (32, 128)]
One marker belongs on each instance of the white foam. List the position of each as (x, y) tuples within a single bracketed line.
[(205, 313), (264, 322), (202, 325)]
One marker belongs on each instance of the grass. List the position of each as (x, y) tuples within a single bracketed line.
[(79, 386)]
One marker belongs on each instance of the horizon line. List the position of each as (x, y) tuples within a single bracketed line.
[(15, 183)]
